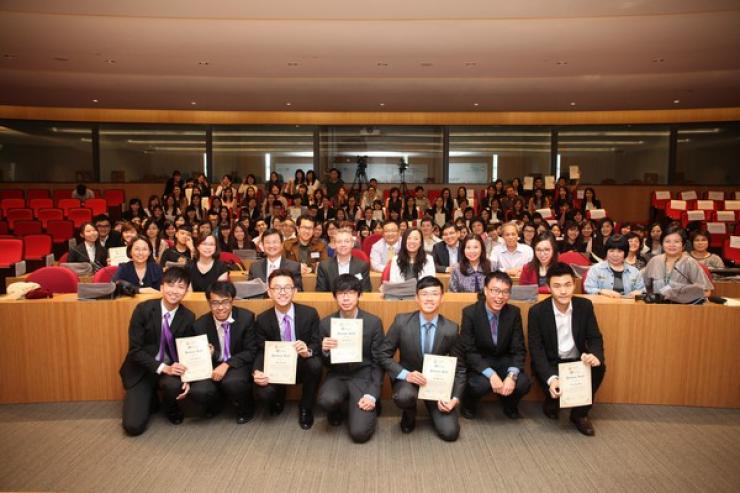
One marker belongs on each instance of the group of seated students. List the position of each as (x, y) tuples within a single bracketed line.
[(489, 347)]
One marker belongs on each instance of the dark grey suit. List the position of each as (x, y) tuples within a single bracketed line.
[(345, 384), (258, 270), (442, 256), (328, 272), (405, 336)]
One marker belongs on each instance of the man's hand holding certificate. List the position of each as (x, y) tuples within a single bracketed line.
[(575, 384), (195, 355), (347, 332), (281, 362), (439, 372)]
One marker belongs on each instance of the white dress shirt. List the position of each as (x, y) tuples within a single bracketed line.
[(221, 333), (379, 254), (427, 270), (503, 259), (271, 266)]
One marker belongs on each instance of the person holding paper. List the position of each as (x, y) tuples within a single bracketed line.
[(342, 263), (414, 334), (512, 255), (151, 362), (352, 389), (107, 237), (289, 322), (272, 246), (562, 329), (231, 335), (492, 340), (305, 249)]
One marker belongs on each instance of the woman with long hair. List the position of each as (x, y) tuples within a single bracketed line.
[(545, 255), (411, 262), (468, 276)]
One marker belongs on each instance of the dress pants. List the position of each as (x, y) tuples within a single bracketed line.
[(308, 373), (236, 387), (479, 385), (343, 392), (597, 376), (447, 425)]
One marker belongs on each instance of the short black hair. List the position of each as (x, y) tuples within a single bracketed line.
[(272, 231), (429, 282), (100, 218), (225, 289), (185, 227), (347, 282), (280, 273), (391, 221), (559, 269), (617, 242), (673, 230), (176, 274), (448, 225), (305, 217), (501, 276)]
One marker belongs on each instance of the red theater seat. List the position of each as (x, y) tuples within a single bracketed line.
[(55, 279)]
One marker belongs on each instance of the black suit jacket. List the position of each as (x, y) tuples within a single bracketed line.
[(328, 271), (477, 341), (242, 340), (79, 254), (405, 336), (306, 329), (144, 332), (543, 335), (258, 270), (442, 256), (113, 240), (372, 225), (369, 371)]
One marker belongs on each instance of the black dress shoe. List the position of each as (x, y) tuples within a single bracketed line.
[(305, 418), (550, 411), (244, 416), (176, 418), (334, 418), (467, 412), (408, 422), (583, 425), (512, 413), (276, 408)]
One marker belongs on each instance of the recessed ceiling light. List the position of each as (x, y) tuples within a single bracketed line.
[(203, 62), (471, 64), (293, 64), (382, 64), (676, 101), (381, 104), (288, 103), (475, 104), (425, 64), (95, 101), (572, 103), (193, 103), (109, 60)]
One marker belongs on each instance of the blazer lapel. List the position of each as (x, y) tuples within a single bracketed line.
[(416, 335), (157, 321), (334, 268), (212, 334), (439, 334), (552, 326)]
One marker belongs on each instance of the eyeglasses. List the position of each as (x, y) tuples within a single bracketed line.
[(499, 292), (220, 303), (282, 289)]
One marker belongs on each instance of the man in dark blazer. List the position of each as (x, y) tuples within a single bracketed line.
[(367, 219), (413, 335), (328, 270), (561, 329), (447, 253), (493, 342), (272, 245), (107, 237), (232, 364), (151, 361), (289, 321), (352, 388)]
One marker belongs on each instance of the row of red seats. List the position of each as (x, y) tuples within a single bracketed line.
[(113, 196), (60, 230)]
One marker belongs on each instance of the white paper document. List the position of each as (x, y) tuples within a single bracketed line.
[(732, 205), (717, 228), (734, 241), (281, 362), (440, 374), (716, 195), (663, 195), (528, 183), (726, 216), (679, 205), (549, 182), (118, 255), (705, 205), (574, 172), (195, 355), (575, 384), (348, 333), (689, 195)]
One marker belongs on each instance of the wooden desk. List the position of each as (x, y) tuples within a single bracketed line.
[(63, 349)]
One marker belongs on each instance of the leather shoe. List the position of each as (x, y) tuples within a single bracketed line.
[(408, 422), (512, 413), (583, 425), (335, 418), (244, 416), (276, 408), (467, 412), (176, 418), (305, 418), (550, 411)]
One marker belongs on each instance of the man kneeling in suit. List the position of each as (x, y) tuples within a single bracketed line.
[(231, 336), (493, 343), (352, 387), (562, 329), (414, 334)]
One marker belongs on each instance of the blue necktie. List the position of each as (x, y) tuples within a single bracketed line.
[(428, 338)]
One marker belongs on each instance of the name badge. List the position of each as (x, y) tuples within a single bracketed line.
[(359, 276), (315, 255)]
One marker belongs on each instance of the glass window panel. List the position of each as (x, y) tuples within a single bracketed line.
[(45, 152), (150, 153), (616, 154), (708, 155), (484, 154)]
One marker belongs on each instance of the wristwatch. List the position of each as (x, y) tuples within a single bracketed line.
[(512, 375)]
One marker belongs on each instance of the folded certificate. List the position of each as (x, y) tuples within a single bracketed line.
[(195, 355), (440, 374), (348, 333), (281, 362), (117, 255), (575, 384)]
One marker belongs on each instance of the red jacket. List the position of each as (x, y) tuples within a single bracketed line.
[(529, 276)]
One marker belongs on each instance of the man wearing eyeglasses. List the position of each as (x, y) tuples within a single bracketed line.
[(414, 334), (272, 246), (289, 322), (493, 342), (305, 249), (231, 336)]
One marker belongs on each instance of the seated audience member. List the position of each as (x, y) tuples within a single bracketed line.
[(153, 233), (352, 389), (151, 363), (674, 268), (135, 209), (82, 193), (528, 233), (411, 261), (424, 331), (589, 201), (239, 239), (223, 236), (512, 255), (107, 237), (305, 249), (89, 250), (545, 254), (652, 242), (182, 251), (469, 275), (343, 262), (699, 241), (289, 322), (587, 236), (606, 229), (205, 268), (427, 231), (439, 213), (563, 329), (272, 245), (367, 219), (128, 233), (231, 335), (385, 249), (446, 253), (287, 227), (634, 256), (141, 270), (614, 277), (572, 240), (492, 341)]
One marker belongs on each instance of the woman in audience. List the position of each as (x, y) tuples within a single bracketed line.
[(674, 268), (135, 209), (545, 254), (447, 201), (528, 234), (537, 200), (587, 236), (223, 235), (340, 200), (318, 197), (205, 267), (572, 239), (203, 185), (652, 242), (274, 181), (468, 276), (497, 215), (129, 232), (562, 198), (613, 277), (153, 201), (410, 211), (169, 231), (228, 200), (224, 215), (331, 228), (249, 182), (180, 220), (590, 201), (517, 210), (239, 239), (699, 241), (462, 194), (490, 196), (170, 209), (363, 231), (141, 270), (634, 256), (196, 202), (153, 234), (89, 250), (498, 185), (606, 229), (191, 215), (311, 182), (394, 202), (411, 261), (517, 184), (291, 188), (556, 231), (354, 213), (439, 214)]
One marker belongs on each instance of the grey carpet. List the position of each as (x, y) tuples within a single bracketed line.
[(81, 447)]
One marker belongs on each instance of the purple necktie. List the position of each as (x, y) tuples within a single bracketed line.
[(166, 341), (494, 329), (287, 329), (227, 341)]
